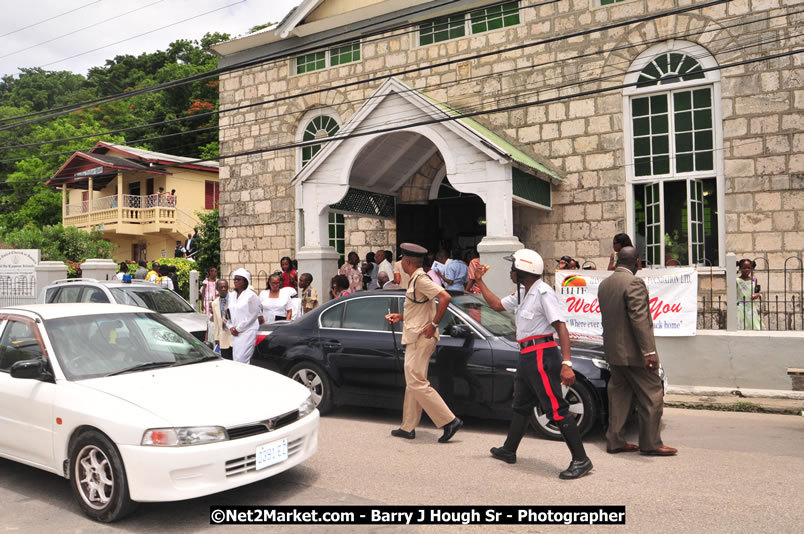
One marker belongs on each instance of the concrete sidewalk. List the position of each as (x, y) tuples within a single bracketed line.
[(736, 399)]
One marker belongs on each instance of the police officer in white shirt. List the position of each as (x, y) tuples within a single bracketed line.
[(542, 367)]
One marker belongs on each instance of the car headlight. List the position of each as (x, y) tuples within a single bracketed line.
[(307, 407), (602, 364), (177, 437)]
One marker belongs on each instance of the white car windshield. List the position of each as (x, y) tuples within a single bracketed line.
[(89, 346), (154, 298)]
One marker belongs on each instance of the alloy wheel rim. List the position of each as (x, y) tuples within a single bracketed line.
[(94, 477), (575, 409), (312, 382)]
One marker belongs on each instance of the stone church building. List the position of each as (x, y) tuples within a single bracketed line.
[(497, 125)]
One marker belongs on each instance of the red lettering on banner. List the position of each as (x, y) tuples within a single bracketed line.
[(576, 305), (658, 307)]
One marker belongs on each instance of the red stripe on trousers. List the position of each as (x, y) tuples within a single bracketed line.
[(550, 395)]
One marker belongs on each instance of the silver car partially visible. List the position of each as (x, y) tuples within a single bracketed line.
[(135, 293)]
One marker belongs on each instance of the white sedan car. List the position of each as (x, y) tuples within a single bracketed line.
[(130, 408)]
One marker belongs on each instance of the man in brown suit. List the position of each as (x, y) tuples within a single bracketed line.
[(631, 353)]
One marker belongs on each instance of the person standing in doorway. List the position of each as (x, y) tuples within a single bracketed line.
[(630, 349), (221, 319), (383, 266), (244, 307), (400, 276), (543, 368), (351, 270), (420, 336), (457, 273)]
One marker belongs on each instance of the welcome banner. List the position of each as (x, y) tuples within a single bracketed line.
[(673, 297)]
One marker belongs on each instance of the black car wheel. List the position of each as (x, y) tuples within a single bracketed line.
[(98, 478), (316, 380), (582, 405)]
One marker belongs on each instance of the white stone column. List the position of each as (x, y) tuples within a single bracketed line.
[(316, 256), (99, 269), (48, 272)]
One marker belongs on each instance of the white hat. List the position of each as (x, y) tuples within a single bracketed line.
[(244, 273), (527, 260)]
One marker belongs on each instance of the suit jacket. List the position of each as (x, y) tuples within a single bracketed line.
[(627, 323), (223, 335)]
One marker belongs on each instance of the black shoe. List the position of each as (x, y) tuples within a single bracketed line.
[(450, 429), (503, 454), (576, 469), (399, 433)]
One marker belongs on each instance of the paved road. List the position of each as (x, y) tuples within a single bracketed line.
[(735, 473)]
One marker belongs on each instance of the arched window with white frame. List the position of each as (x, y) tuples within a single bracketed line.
[(318, 123), (673, 143)]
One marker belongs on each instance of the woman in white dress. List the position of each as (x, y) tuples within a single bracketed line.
[(244, 307), (275, 303)]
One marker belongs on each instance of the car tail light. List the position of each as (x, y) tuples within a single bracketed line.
[(260, 337)]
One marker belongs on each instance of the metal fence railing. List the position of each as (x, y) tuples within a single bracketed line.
[(777, 306), (17, 289)]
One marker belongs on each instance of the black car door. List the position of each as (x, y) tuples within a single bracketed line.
[(462, 368), (359, 349)]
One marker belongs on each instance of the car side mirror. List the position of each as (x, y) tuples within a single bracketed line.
[(460, 330), (35, 369)]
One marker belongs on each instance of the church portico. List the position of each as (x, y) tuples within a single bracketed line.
[(389, 174)]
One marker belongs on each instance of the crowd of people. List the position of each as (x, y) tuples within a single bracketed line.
[(161, 275)]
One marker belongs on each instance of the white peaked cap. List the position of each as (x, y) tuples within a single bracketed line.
[(244, 273)]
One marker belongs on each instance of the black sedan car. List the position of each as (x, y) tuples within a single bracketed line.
[(346, 353)]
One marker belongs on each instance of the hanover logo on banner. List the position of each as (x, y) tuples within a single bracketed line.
[(673, 301)]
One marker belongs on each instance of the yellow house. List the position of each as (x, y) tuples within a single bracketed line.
[(142, 201)]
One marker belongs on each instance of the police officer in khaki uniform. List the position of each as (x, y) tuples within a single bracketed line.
[(420, 336), (542, 367)]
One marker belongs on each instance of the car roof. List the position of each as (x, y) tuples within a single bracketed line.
[(108, 283), (59, 310)]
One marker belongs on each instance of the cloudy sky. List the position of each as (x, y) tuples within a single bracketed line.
[(75, 35)]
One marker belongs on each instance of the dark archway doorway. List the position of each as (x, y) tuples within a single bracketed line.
[(453, 220)]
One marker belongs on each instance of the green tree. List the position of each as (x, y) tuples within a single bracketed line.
[(209, 246), (60, 243)]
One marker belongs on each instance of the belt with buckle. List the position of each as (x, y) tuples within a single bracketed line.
[(534, 340)]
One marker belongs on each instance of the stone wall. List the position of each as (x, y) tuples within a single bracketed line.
[(581, 137)]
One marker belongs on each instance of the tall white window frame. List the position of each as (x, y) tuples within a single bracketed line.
[(656, 183)]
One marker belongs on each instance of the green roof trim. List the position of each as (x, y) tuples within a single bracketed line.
[(525, 187), (516, 154)]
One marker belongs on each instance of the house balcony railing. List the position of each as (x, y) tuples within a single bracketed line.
[(130, 214)]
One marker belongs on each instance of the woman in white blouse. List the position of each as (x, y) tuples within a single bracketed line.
[(244, 307), (275, 303)]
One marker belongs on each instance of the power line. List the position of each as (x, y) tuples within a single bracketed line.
[(214, 73), (51, 18), (427, 67), (93, 25), (145, 33), (458, 116), (514, 95), (523, 46)]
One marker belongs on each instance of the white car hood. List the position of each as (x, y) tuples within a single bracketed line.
[(222, 393)]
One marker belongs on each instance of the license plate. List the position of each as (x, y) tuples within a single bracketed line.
[(272, 453)]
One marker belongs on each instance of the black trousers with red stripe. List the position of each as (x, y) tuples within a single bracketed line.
[(538, 381)]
